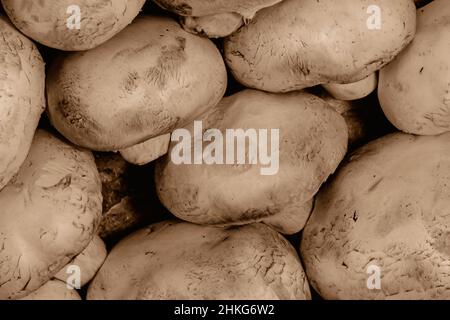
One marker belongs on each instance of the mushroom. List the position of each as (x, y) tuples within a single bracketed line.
[(179, 260), (148, 80), (72, 25), (50, 212), (22, 98), (414, 89), (214, 18), (297, 44), (380, 228), (275, 184)]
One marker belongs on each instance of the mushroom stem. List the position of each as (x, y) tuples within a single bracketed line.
[(213, 26), (353, 91), (147, 151)]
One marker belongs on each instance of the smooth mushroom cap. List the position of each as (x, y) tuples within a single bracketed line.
[(50, 212), (146, 81), (297, 44), (53, 23), (22, 98), (312, 142), (178, 260)]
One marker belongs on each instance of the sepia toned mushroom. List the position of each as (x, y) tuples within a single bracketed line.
[(178, 260), (297, 44), (72, 25), (22, 98), (384, 214), (301, 142), (414, 89), (50, 212), (150, 79)]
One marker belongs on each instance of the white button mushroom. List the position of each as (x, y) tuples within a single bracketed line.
[(311, 142), (297, 44), (179, 260), (50, 212), (22, 98), (146, 81), (72, 25), (414, 89), (380, 228)]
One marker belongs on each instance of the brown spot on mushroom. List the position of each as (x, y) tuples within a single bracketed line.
[(171, 59)]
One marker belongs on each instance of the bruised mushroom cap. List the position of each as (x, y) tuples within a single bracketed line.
[(178, 260), (146, 81), (387, 206), (50, 22), (53, 290), (200, 8), (414, 89), (22, 98), (312, 142), (302, 43), (50, 212)]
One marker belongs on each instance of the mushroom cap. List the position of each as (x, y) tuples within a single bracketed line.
[(414, 89), (146, 81), (297, 44), (47, 21), (178, 260), (312, 142), (386, 206), (22, 97), (50, 212), (201, 8)]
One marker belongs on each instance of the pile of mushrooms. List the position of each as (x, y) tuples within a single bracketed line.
[(241, 149)]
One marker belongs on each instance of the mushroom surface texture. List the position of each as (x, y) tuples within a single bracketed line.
[(53, 290), (146, 81), (414, 89), (22, 98), (379, 228), (179, 260), (286, 147), (297, 44), (86, 264), (71, 25), (50, 212)]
